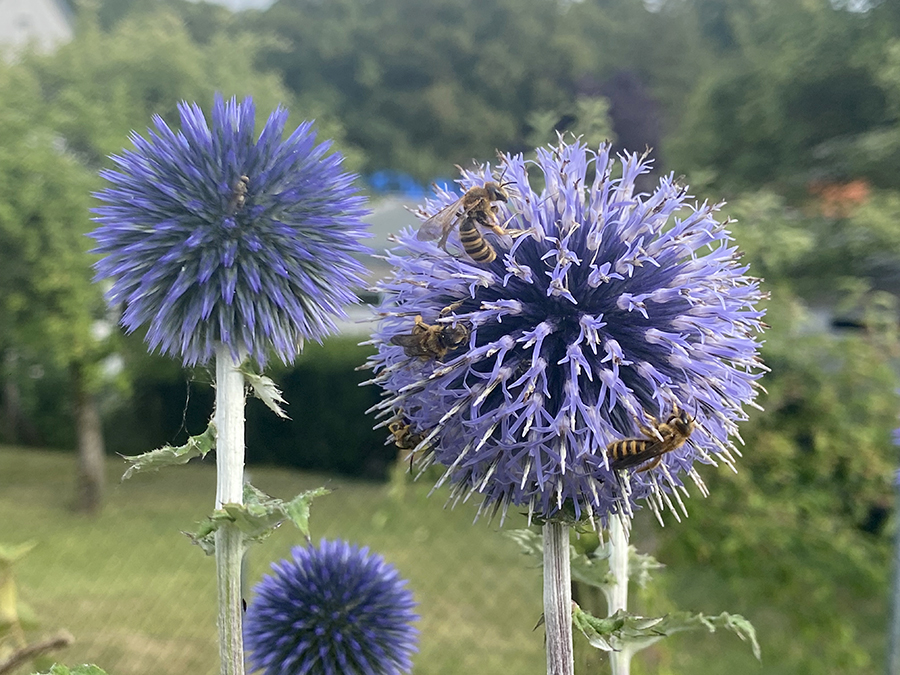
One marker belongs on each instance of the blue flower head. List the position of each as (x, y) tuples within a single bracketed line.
[(610, 316), (331, 610), (208, 235)]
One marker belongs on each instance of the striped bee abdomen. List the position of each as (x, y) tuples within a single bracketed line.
[(629, 452), (473, 242)]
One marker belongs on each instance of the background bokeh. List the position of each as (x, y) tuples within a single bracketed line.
[(787, 110)]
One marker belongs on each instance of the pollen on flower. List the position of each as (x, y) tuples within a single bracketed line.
[(614, 312)]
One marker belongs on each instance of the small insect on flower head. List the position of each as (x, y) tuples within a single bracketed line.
[(610, 343), (210, 235), (331, 610)]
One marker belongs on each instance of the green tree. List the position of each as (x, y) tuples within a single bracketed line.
[(63, 114), (788, 77), (421, 85), (48, 305), (803, 522)]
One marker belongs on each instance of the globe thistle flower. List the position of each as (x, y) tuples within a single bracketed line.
[(211, 236), (610, 312), (331, 610)]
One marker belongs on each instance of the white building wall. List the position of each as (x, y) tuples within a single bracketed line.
[(41, 23)]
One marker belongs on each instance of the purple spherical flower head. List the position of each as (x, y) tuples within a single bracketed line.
[(332, 610), (211, 236), (611, 311)]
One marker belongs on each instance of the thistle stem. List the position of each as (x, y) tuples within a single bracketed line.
[(229, 490), (558, 600), (620, 661)]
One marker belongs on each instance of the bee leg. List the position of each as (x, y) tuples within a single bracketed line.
[(652, 431), (652, 464), (450, 308)]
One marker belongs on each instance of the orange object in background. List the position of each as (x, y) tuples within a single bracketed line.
[(838, 200)]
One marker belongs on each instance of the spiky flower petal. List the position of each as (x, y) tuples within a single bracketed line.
[(209, 235), (612, 311), (331, 610)]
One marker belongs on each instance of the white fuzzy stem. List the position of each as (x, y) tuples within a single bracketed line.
[(620, 660), (558, 600), (229, 490)]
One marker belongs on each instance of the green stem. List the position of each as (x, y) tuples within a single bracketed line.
[(620, 661), (558, 600), (229, 490)]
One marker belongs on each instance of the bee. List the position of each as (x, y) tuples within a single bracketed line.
[(405, 438), (662, 438), (239, 194), (474, 210), (431, 342)]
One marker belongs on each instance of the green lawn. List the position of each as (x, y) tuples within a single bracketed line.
[(140, 599)]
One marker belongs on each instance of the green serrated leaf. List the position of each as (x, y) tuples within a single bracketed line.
[(196, 446), (619, 631), (588, 568), (529, 541), (640, 566), (265, 389), (628, 631), (592, 568), (205, 536), (597, 631), (737, 624), (298, 508), (257, 517)]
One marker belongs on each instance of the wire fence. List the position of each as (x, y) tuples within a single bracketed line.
[(139, 598)]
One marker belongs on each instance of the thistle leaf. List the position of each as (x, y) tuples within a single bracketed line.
[(196, 446), (737, 624), (265, 389), (257, 517), (627, 631), (529, 541)]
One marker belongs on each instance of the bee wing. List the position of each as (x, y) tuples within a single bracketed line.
[(650, 451), (412, 345), (441, 222), (405, 340)]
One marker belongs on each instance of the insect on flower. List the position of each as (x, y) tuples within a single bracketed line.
[(474, 210), (659, 439), (405, 438), (180, 267), (620, 300), (239, 194), (431, 341)]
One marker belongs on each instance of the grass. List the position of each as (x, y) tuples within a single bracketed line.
[(140, 599)]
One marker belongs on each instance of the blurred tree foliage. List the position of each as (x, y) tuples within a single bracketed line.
[(48, 305), (422, 85), (60, 115), (787, 77), (791, 107), (803, 523), (103, 85), (756, 92)]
